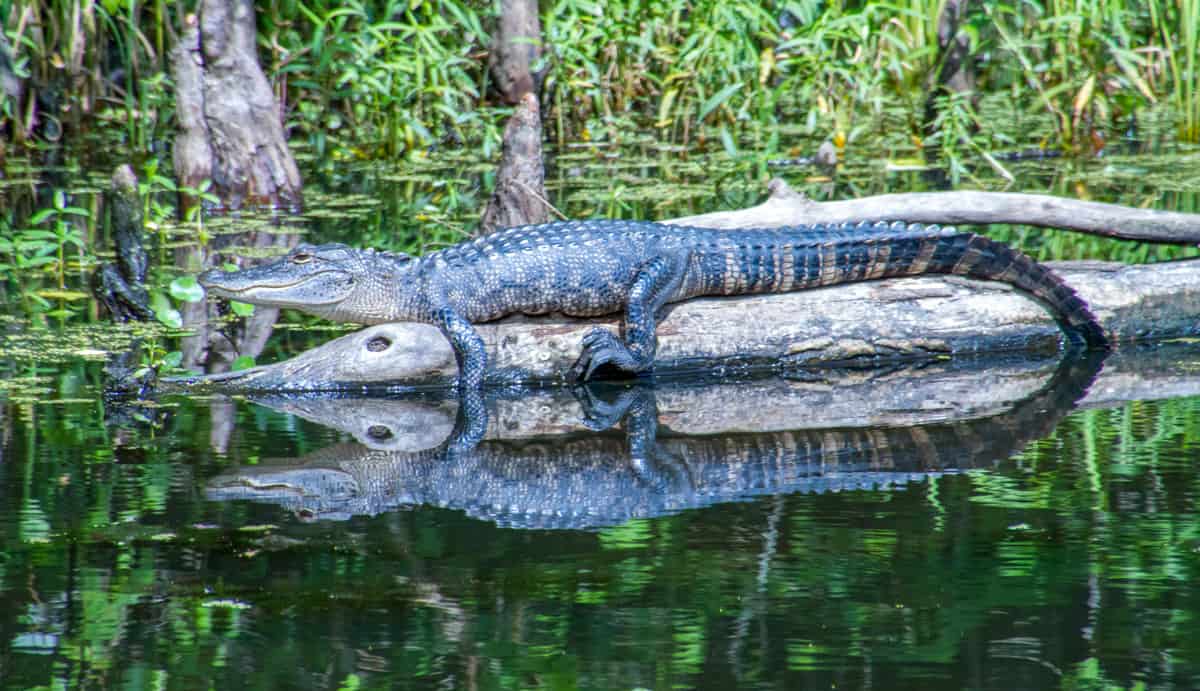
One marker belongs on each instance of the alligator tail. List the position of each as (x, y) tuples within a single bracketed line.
[(976, 256)]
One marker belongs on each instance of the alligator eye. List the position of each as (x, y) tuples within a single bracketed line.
[(301, 258)]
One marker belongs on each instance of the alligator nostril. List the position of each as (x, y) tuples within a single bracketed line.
[(379, 432), (378, 344)]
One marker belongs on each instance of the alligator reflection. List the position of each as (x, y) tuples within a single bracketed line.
[(521, 476)]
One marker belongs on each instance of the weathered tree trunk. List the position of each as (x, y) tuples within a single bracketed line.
[(864, 322), (787, 207), (520, 194), (516, 49), (229, 120)]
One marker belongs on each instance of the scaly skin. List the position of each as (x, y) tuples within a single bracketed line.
[(590, 268)]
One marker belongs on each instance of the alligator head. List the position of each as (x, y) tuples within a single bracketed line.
[(311, 492), (331, 281)]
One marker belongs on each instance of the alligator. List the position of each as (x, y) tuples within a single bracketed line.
[(592, 479), (591, 268)]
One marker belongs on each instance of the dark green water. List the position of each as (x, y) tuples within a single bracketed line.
[(1069, 561)]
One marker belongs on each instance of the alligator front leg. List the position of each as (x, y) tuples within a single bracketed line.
[(472, 358), (468, 347), (653, 286)]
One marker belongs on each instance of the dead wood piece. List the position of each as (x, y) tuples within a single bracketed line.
[(125, 209), (785, 207), (120, 287), (955, 391), (230, 123), (947, 391), (520, 195), (926, 317)]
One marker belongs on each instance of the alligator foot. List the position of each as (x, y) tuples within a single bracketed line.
[(600, 348), (601, 408)]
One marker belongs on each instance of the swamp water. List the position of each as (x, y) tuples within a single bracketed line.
[(993, 523)]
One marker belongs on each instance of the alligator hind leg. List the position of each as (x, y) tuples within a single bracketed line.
[(656, 282), (637, 406)]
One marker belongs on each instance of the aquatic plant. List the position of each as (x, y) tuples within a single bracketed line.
[(49, 245), (89, 62), (1178, 24), (375, 78)]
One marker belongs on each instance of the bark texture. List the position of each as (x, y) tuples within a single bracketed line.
[(788, 207), (520, 195), (944, 391), (229, 120), (516, 49), (953, 73)]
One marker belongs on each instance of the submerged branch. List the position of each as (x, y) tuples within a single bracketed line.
[(788, 207)]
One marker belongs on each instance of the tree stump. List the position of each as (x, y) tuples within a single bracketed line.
[(516, 49), (230, 129), (520, 194)]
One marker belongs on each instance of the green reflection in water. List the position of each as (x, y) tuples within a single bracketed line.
[(1071, 565)]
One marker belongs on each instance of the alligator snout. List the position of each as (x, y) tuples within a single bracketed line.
[(209, 278), (219, 282)]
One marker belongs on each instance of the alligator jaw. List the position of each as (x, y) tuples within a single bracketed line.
[(282, 484), (277, 288)]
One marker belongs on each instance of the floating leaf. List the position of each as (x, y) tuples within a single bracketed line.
[(172, 359), (242, 362), (164, 311), (241, 309), (170, 317), (186, 288)]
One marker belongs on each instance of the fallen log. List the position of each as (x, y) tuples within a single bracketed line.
[(864, 323), (787, 207), (945, 391)]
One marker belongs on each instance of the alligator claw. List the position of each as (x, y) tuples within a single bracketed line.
[(601, 347), (604, 406)]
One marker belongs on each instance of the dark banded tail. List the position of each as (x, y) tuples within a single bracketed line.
[(803, 257), (976, 256)]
